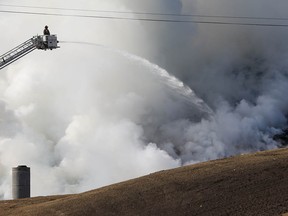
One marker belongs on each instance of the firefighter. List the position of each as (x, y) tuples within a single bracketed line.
[(46, 31)]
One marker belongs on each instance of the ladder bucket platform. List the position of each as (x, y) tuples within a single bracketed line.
[(45, 42), (42, 42)]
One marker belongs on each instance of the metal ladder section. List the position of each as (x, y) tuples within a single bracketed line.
[(16, 53)]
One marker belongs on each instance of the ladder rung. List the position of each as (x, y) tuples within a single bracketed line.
[(16, 53)]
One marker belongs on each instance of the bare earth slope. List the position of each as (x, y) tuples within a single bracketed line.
[(254, 184)]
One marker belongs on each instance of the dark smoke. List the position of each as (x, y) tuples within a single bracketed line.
[(86, 116)]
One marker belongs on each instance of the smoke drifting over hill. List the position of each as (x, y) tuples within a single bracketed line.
[(85, 116)]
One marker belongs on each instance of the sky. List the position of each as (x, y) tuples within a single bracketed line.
[(122, 98)]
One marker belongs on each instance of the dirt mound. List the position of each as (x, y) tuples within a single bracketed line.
[(254, 184)]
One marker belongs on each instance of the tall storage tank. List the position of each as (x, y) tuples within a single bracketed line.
[(20, 182)]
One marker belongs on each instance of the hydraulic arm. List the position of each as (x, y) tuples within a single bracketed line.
[(43, 42)]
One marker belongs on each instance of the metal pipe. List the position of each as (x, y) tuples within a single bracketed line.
[(20, 182)]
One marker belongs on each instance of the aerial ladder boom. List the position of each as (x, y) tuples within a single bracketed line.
[(42, 42)]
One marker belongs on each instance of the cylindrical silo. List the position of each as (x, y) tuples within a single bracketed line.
[(20, 182)]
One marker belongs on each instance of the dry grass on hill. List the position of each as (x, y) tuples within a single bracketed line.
[(254, 184)]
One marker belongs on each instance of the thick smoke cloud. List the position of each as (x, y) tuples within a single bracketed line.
[(85, 116)]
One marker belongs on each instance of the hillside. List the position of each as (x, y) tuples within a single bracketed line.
[(255, 184)]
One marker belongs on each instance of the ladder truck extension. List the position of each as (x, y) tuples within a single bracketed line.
[(42, 42)]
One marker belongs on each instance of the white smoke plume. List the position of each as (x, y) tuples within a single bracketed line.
[(84, 116)]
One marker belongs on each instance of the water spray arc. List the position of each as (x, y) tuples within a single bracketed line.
[(119, 116), (174, 84)]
